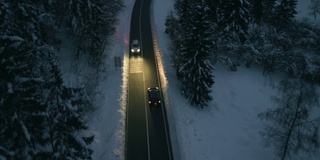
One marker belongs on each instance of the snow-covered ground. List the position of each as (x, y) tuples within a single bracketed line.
[(108, 121), (227, 130)]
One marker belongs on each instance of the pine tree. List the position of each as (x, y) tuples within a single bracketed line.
[(79, 13), (48, 23), (64, 124), (90, 22), (268, 10), (213, 8), (258, 10), (233, 26), (285, 12), (64, 121), (234, 19), (21, 102), (171, 22), (101, 25), (182, 30), (22, 107), (28, 74), (196, 69)]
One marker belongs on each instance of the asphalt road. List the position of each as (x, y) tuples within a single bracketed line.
[(147, 135)]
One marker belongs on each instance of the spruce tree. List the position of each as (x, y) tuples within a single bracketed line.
[(268, 10), (196, 69), (64, 121), (28, 78), (21, 100), (101, 25), (90, 22), (213, 7), (233, 23), (234, 19), (183, 8), (285, 12), (258, 10), (171, 22)]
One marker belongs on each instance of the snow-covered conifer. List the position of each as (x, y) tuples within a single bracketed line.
[(196, 69), (268, 10), (181, 31), (234, 19), (285, 12), (28, 77), (257, 10)]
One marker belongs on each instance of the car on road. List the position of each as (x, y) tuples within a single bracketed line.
[(154, 96), (135, 46)]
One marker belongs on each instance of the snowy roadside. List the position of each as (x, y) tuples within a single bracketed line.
[(229, 128), (159, 49), (108, 120)]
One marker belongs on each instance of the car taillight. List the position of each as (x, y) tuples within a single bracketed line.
[(159, 101), (149, 102)]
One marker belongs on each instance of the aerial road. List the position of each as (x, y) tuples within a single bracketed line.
[(147, 131)]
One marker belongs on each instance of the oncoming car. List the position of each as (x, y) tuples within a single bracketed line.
[(135, 46), (154, 96)]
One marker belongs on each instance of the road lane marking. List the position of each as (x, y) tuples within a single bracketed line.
[(144, 84)]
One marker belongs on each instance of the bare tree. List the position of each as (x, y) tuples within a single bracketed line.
[(290, 128), (314, 8)]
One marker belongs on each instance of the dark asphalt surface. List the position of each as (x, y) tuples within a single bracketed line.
[(147, 136)]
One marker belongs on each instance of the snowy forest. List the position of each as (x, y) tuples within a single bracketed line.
[(40, 117), (253, 33), (240, 32)]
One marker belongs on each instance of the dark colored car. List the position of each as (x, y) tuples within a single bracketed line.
[(154, 96)]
